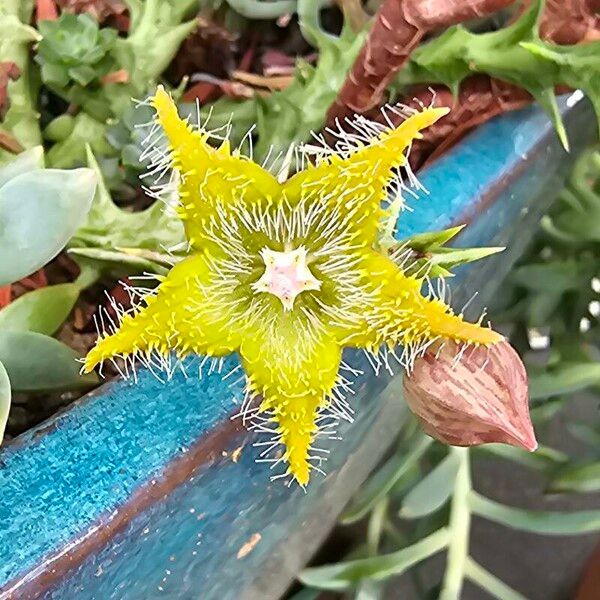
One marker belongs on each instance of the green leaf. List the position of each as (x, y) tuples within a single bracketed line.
[(577, 478), (83, 130), (29, 160), (341, 576), (552, 277), (586, 433), (433, 491), (36, 362), (73, 50), (108, 228), (130, 262), (565, 379), (453, 257), (543, 459), (547, 99), (542, 522), (424, 242), (44, 310), (544, 411), (384, 480), (4, 399), (39, 211), (306, 594), (514, 54)]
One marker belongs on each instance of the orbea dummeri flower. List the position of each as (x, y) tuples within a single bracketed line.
[(286, 274)]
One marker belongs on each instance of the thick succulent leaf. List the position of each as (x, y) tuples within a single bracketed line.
[(5, 396), (430, 240), (544, 459), (73, 50), (108, 229), (44, 310), (36, 362), (577, 478), (343, 575), (428, 253), (384, 480), (578, 65), (514, 54), (39, 212), (433, 491), (566, 379), (554, 277), (26, 161), (543, 522), (114, 260)]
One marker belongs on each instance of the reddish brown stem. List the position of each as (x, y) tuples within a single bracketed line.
[(5, 295), (399, 26), (480, 98), (9, 71), (569, 21), (45, 10)]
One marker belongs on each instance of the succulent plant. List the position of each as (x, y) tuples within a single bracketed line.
[(74, 50), (29, 196)]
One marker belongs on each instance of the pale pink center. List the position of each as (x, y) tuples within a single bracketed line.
[(286, 275)]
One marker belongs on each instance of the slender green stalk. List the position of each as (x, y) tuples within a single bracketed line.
[(459, 526), (376, 525), (490, 583)]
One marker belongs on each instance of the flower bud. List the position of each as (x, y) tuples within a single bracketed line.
[(478, 397)]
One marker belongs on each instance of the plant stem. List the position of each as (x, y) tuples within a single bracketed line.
[(490, 583), (460, 524)]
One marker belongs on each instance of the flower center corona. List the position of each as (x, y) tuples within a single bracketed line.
[(286, 275)]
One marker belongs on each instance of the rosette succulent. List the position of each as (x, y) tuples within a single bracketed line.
[(74, 49), (286, 274)]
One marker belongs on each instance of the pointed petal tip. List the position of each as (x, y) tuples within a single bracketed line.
[(441, 111), (525, 439)]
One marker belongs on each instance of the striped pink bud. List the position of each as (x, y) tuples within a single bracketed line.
[(477, 398)]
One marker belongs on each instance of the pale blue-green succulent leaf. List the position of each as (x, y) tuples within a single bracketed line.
[(433, 491), (566, 379), (39, 212), (36, 362), (577, 478), (384, 480), (42, 310), (542, 522), (5, 396), (341, 576), (29, 160)]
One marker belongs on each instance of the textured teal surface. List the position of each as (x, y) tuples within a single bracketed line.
[(58, 486)]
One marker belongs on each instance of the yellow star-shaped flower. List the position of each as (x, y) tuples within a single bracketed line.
[(286, 275)]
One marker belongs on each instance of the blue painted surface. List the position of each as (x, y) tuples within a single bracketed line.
[(101, 451), (58, 485)]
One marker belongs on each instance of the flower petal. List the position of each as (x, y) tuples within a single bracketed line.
[(399, 314), (187, 314), (359, 182), (208, 176), (294, 366), (474, 397)]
